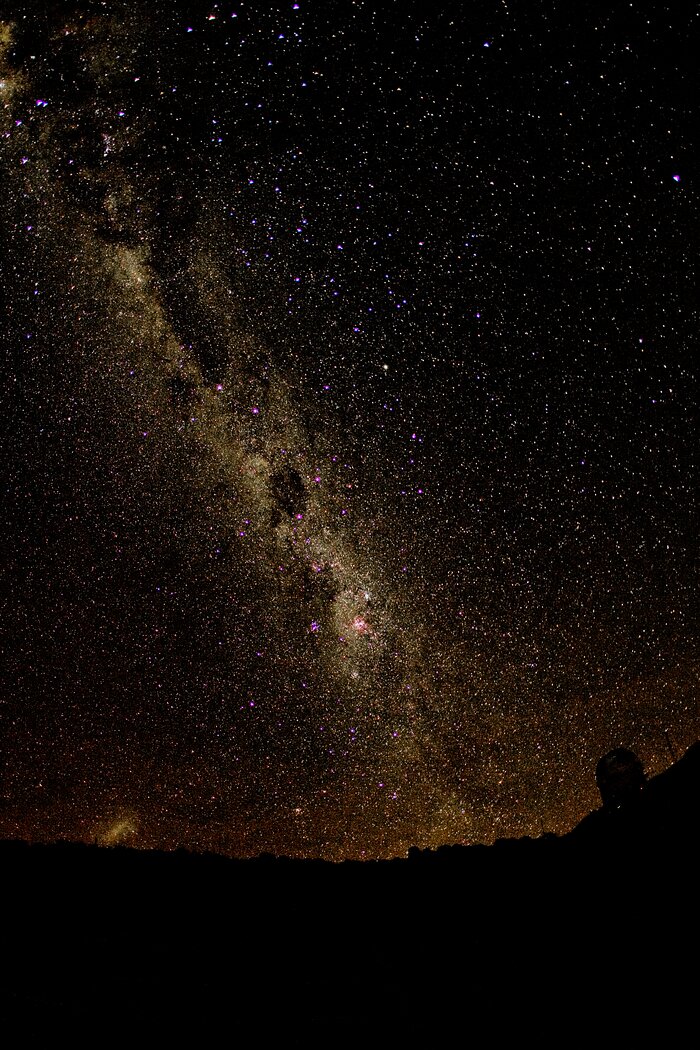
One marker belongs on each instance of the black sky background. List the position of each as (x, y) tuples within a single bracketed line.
[(349, 422)]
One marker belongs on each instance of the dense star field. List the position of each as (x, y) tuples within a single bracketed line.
[(349, 417)]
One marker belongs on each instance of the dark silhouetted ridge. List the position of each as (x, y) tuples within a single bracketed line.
[(544, 938)]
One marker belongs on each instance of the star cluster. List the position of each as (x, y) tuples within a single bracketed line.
[(349, 418)]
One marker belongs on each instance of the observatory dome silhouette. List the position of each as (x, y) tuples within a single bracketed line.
[(620, 777)]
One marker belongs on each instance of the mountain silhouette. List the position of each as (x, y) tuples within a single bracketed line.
[(591, 934)]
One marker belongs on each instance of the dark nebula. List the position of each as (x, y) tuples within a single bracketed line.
[(349, 436)]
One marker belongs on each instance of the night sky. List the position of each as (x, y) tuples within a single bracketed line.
[(349, 433)]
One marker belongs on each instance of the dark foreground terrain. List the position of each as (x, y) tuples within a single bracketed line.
[(593, 935)]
